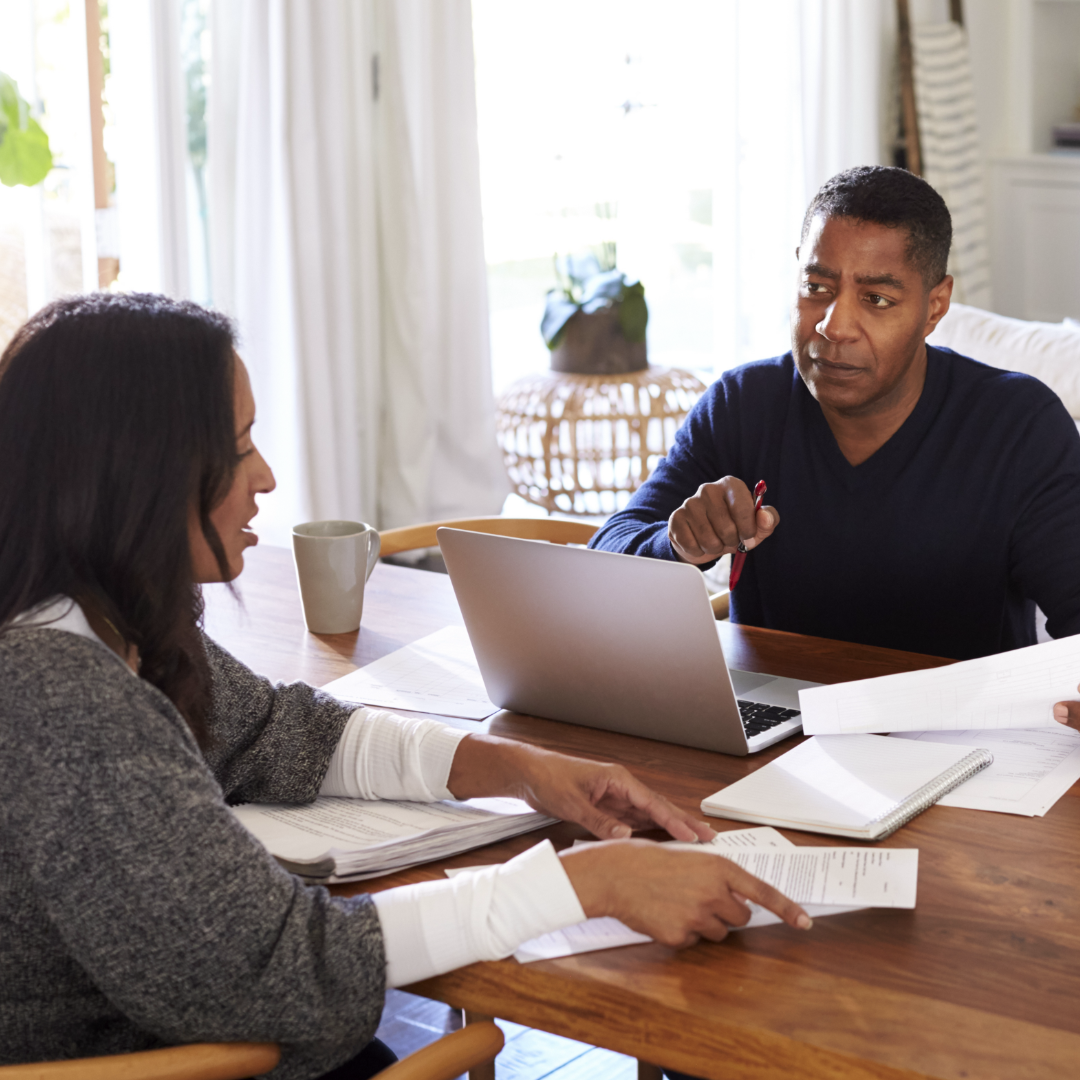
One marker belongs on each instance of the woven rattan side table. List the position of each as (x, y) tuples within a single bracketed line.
[(583, 444)]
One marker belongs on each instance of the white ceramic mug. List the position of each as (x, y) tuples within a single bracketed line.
[(334, 560)]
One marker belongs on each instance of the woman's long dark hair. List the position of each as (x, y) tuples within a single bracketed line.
[(116, 421)]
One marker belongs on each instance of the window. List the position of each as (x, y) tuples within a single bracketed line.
[(676, 131), (47, 233), (597, 126)]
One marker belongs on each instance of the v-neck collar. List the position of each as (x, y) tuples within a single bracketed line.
[(897, 450)]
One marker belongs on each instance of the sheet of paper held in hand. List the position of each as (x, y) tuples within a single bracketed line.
[(437, 674), (1032, 768), (1014, 689), (824, 872)]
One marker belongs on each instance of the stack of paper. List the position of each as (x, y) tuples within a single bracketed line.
[(825, 881), (334, 840)]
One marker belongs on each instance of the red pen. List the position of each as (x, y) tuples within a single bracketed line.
[(739, 557)]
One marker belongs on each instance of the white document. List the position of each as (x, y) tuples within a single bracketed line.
[(437, 674), (1014, 689), (608, 933), (869, 877), (589, 936), (1032, 768)]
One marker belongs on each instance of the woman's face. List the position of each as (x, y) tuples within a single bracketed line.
[(232, 515)]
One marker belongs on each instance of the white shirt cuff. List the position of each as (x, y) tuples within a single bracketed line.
[(437, 926), (384, 756)]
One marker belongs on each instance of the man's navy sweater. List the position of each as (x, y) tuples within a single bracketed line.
[(941, 542)]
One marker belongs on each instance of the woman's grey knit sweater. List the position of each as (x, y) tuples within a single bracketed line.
[(135, 912)]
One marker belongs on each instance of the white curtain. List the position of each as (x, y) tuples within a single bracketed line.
[(147, 100), (848, 50), (805, 92), (346, 239)]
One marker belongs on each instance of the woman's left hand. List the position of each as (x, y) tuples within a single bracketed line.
[(1068, 712), (607, 799)]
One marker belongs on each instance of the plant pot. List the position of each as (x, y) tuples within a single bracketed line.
[(594, 345)]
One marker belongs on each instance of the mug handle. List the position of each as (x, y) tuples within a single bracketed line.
[(374, 547)]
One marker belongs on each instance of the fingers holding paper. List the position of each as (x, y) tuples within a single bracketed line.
[(675, 896), (715, 520), (1068, 713)]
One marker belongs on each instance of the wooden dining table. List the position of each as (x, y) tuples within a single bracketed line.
[(981, 981)]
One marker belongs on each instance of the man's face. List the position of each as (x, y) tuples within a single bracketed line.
[(861, 315)]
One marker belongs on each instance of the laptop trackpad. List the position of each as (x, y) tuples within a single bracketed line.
[(745, 681), (769, 689)]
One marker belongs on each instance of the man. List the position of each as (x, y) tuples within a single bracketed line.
[(922, 501)]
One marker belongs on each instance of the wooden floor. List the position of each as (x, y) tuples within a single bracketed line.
[(410, 1022)]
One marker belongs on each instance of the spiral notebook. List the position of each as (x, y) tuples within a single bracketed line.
[(858, 786)]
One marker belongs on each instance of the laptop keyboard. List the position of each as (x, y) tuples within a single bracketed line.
[(757, 717)]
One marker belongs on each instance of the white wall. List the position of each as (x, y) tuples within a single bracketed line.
[(987, 24)]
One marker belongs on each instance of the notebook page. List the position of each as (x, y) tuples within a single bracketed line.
[(1014, 689), (437, 674), (845, 781)]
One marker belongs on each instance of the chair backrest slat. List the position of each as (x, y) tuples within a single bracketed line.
[(198, 1061), (557, 531)]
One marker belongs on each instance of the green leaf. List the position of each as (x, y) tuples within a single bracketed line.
[(633, 312), (25, 156)]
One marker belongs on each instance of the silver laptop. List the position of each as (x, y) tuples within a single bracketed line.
[(610, 641)]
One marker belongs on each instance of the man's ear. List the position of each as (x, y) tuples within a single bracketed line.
[(938, 304)]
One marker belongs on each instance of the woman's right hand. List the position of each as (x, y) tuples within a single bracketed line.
[(675, 895)]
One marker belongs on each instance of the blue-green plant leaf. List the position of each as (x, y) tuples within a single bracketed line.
[(601, 290), (558, 310)]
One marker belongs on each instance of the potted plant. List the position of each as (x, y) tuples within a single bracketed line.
[(594, 320), (25, 156)]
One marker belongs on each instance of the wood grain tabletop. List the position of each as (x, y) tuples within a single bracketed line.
[(980, 982)]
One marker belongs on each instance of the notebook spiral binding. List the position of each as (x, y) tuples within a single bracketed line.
[(928, 794)]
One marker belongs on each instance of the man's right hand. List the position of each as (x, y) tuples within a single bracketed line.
[(717, 519)]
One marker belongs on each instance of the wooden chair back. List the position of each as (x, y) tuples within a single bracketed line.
[(448, 1057), (557, 531), (198, 1061), (475, 1044)]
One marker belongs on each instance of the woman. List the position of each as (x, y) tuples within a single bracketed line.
[(136, 911)]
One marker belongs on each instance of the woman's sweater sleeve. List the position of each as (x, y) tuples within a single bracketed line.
[(288, 743), (121, 844), (269, 743)]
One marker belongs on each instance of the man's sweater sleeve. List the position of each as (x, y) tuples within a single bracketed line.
[(1044, 562), (696, 458)]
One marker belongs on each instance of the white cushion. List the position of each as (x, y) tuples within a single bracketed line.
[(1049, 351)]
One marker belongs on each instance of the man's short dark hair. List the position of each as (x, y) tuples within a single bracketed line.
[(894, 198)]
